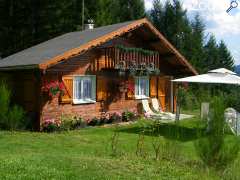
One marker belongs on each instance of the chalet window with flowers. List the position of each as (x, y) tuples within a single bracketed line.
[(84, 89), (141, 87)]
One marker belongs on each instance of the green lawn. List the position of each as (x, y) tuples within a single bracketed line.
[(87, 154)]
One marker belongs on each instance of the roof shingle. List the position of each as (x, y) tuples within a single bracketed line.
[(49, 49)]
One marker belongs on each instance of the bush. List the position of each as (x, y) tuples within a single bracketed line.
[(116, 117), (232, 98), (71, 122), (4, 104), (212, 149), (11, 118), (104, 118), (16, 118), (93, 122), (51, 125), (128, 116)]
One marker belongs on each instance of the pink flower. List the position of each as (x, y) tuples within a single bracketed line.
[(52, 121), (147, 115), (118, 114)]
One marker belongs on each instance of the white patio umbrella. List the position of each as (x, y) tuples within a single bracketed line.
[(217, 76)]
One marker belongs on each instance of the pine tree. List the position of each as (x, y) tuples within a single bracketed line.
[(126, 10), (212, 60), (172, 21), (104, 15), (225, 57), (156, 14), (195, 53)]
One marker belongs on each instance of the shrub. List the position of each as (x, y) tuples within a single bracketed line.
[(104, 118), (70, 122), (115, 117), (15, 118), (4, 104), (11, 118), (51, 125), (232, 98), (128, 115), (212, 149), (93, 122), (78, 122)]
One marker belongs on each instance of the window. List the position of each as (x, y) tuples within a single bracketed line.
[(84, 89), (141, 87)]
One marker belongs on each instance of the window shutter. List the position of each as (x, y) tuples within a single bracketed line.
[(94, 88), (148, 86), (101, 88), (153, 86), (131, 88), (68, 95), (162, 92)]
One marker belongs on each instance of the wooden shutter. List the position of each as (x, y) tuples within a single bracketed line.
[(153, 86), (101, 88), (168, 94), (162, 92), (131, 90), (68, 95)]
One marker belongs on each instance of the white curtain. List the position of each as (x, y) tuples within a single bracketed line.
[(82, 88)]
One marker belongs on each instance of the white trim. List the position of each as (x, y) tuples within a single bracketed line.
[(86, 101), (172, 98), (93, 93), (136, 79), (141, 97)]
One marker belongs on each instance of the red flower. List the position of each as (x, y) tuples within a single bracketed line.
[(53, 88), (130, 87)]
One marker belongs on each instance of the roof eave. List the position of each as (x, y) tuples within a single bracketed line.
[(112, 35), (21, 67), (92, 44)]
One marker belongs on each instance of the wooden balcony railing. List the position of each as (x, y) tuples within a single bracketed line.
[(115, 56)]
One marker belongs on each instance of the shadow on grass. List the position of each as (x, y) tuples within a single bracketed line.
[(169, 131)]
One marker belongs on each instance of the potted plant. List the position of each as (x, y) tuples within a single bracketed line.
[(54, 88)]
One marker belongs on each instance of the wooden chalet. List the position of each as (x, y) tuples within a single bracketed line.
[(97, 67)]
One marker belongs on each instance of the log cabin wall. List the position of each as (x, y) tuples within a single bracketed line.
[(25, 90), (96, 62)]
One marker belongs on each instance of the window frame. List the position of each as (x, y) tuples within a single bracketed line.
[(136, 82), (93, 92)]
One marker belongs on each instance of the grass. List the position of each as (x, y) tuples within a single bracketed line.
[(86, 154)]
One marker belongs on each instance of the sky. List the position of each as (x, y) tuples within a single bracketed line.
[(223, 25)]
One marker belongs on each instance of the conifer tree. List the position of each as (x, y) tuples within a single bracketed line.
[(225, 57), (211, 60), (196, 50)]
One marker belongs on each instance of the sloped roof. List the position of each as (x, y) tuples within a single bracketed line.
[(49, 49), (58, 49)]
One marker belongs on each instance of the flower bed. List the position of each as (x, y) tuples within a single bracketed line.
[(71, 122)]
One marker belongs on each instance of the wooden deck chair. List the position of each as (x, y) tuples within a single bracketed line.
[(147, 109), (158, 109)]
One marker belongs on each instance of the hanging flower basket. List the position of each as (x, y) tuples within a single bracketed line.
[(54, 88)]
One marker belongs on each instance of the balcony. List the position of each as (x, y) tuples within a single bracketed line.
[(120, 57)]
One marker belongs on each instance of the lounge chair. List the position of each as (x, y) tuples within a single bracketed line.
[(148, 110), (158, 109)]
